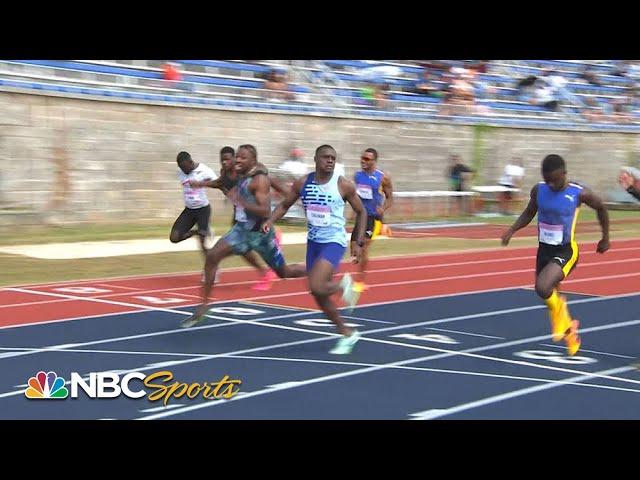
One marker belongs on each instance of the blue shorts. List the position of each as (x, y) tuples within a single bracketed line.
[(331, 252)]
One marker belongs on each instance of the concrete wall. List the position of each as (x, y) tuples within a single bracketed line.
[(72, 160)]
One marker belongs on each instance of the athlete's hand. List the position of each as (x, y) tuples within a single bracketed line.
[(266, 227), (380, 211), (506, 236), (626, 180), (233, 195), (603, 245)]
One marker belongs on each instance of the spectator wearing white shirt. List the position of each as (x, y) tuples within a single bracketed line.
[(545, 97), (512, 177)]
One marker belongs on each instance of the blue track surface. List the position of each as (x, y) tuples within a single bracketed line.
[(471, 356)]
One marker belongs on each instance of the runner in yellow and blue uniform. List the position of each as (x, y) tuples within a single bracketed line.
[(375, 190), (557, 203)]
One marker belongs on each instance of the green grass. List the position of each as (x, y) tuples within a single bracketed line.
[(18, 269), (23, 235)]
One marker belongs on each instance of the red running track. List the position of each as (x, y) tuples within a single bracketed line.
[(389, 279)]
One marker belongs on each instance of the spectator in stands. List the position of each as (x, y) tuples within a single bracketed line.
[(295, 165), (560, 86), (459, 175), (366, 96), (170, 72), (525, 88), (545, 96), (461, 98), (277, 86), (621, 109), (381, 95), (426, 85), (480, 66), (620, 68), (593, 112), (590, 76), (173, 78), (512, 177)]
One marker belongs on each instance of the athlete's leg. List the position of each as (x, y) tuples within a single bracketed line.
[(322, 287), (372, 232), (203, 217), (253, 259), (562, 326), (181, 229), (234, 242), (266, 245), (214, 256), (322, 261)]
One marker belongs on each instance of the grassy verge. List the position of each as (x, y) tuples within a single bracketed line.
[(18, 269)]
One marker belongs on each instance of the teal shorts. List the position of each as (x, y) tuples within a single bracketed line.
[(242, 240)]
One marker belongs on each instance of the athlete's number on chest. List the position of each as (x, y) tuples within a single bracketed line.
[(364, 191), (551, 234), (319, 215)]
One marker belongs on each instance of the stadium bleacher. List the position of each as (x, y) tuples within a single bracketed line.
[(238, 84)]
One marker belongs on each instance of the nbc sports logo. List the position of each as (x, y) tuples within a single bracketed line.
[(46, 386)]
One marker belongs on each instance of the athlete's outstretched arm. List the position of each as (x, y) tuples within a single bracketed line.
[(525, 218), (627, 182), (259, 188), (279, 186), (217, 183), (286, 204), (589, 197), (348, 191), (387, 189)]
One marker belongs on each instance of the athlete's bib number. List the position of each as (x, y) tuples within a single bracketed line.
[(241, 215), (364, 191), (319, 215), (550, 234)]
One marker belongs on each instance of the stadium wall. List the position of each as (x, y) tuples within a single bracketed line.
[(67, 160)]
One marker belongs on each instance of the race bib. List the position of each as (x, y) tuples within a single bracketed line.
[(241, 215), (550, 234), (319, 215), (364, 191)]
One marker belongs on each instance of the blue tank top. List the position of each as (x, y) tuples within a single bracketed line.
[(558, 213), (369, 188), (324, 207)]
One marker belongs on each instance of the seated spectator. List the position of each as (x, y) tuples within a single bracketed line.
[(170, 73), (525, 87), (426, 85), (173, 78), (593, 112), (621, 110), (277, 86), (559, 84), (590, 76), (366, 96), (381, 95), (545, 97), (620, 68)]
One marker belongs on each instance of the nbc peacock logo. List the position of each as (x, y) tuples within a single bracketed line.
[(46, 386)]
